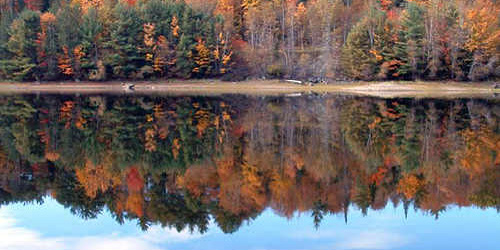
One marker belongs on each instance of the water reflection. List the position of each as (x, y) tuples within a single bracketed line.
[(182, 162)]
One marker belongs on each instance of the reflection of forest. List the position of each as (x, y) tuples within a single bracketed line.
[(181, 161)]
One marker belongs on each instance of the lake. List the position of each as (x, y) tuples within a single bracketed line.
[(248, 172)]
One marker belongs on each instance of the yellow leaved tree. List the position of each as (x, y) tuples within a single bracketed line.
[(481, 21)]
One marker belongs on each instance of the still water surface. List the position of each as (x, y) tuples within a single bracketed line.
[(243, 172)]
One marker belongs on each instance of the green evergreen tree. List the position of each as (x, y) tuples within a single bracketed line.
[(22, 44), (384, 43), (358, 62), (90, 31), (185, 63), (410, 47), (161, 13), (68, 23), (125, 57), (6, 19)]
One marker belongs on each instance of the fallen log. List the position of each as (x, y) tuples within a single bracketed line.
[(294, 81)]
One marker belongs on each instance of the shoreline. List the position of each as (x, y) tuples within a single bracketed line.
[(385, 89)]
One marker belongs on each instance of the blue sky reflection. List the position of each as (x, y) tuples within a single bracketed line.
[(51, 226)]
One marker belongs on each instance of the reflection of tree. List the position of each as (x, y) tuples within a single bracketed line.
[(70, 194), (180, 162), (318, 211)]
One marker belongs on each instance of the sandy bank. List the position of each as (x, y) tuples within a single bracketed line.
[(269, 87)]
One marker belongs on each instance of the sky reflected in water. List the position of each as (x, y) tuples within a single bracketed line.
[(51, 226)]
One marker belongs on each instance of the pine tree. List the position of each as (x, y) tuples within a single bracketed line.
[(161, 14), (186, 45), (358, 62), (6, 19), (410, 46), (124, 42), (385, 40), (68, 22), (91, 39), (184, 62), (22, 45)]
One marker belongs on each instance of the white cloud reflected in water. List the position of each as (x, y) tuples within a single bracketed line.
[(356, 239), (382, 234), (14, 237), (378, 239)]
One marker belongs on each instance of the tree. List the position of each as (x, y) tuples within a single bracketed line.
[(410, 46), (89, 4), (64, 63), (68, 33), (484, 38), (124, 41), (222, 54), (202, 59), (459, 56), (385, 40), (6, 19), (164, 57), (90, 44), (261, 22), (205, 6), (357, 59), (184, 63), (317, 40), (34, 5), (48, 47), (22, 45), (149, 43)]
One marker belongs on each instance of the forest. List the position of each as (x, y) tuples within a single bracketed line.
[(183, 161), (330, 40)]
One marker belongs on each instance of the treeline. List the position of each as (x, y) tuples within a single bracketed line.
[(240, 39), (109, 40)]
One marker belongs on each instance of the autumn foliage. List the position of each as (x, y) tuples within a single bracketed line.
[(314, 40)]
